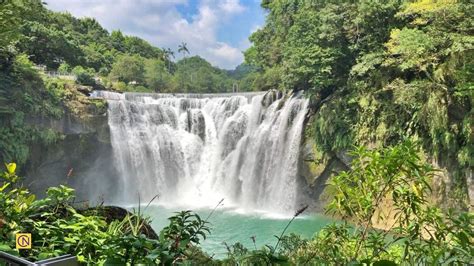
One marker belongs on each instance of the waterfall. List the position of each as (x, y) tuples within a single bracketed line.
[(194, 149)]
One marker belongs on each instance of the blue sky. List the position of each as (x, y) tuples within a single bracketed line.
[(217, 30)]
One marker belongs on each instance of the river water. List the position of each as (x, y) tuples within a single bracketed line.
[(232, 225)]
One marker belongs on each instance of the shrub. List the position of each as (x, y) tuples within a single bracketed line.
[(64, 68), (415, 232), (84, 76)]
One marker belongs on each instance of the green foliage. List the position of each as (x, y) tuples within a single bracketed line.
[(24, 94), (61, 41), (332, 130), (413, 49), (291, 243), (269, 80), (9, 23), (375, 175), (128, 68), (424, 233), (53, 38), (84, 76), (377, 72), (120, 86), (47, 45), (185, 227), (315, 56), (237, 254), (196, 75), (58, 228), (185, 230), (64, 68), (13, 16), (97, 56), (157, 76)]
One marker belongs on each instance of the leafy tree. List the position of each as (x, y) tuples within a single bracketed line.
[(194, 74), (9, 23), (48, 46), (183, 48), (13, 16), (135, 45), (91, 28), (128, 68), (270, 79), (64, 68), (118, 40), (167, 55), (316, 56), (97, 56), (157, 77), (84, 76)]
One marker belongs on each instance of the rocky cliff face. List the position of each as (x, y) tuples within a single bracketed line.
[(82, 154), (316, 168)]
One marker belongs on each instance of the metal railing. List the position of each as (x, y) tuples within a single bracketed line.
[(12, 260), (57, 74)]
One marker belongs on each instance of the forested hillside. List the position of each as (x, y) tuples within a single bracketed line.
[(62, 42), (35, 40), (378, 72)]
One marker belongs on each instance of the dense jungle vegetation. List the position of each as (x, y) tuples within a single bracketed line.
[(377, 73)]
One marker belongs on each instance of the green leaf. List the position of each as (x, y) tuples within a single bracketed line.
[(7, 184), (9, 250), (11, 167), (44, 255), (5, 248)]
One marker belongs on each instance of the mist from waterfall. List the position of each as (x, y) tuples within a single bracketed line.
[(194, 149)]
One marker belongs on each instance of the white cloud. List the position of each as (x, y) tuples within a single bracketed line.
[(160, 22), (231, 6), (224, 54)]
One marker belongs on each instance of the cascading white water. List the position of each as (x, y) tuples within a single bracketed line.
[(194, 149)]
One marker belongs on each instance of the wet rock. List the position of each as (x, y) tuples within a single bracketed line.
[(86, 90)]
